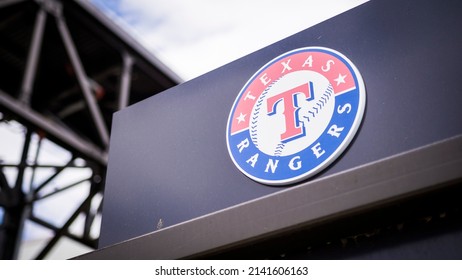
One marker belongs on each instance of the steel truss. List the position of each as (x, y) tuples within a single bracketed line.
[(19, 204), (51, 120)]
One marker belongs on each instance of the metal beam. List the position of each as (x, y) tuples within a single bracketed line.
[(91, 215), (62, 189), (6, 3), (88, 242), (44, 166), (29, 194), (49, 179), (98, 77), (18, 211), (5, 190), (83, 81), (125, 79), (33, 57), (96, 187), (58, 132), (3, 182), (80, 104), (64, 229)]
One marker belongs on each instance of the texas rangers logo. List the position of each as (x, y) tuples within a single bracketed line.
[(295, 115)]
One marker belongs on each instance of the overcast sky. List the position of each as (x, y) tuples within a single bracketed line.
[(194, 37)]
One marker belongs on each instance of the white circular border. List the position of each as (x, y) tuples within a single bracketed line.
[(340, 149)]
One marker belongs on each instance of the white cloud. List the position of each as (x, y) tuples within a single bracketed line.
[(194, 37)]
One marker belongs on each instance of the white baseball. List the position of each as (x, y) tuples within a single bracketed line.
[(314, 115)]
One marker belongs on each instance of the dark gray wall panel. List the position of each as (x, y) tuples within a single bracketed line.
[(168, 158)]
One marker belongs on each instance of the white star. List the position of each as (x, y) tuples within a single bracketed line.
[(241, 118), (340, 79)]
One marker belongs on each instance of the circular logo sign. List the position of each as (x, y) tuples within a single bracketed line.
[(295, 115)]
